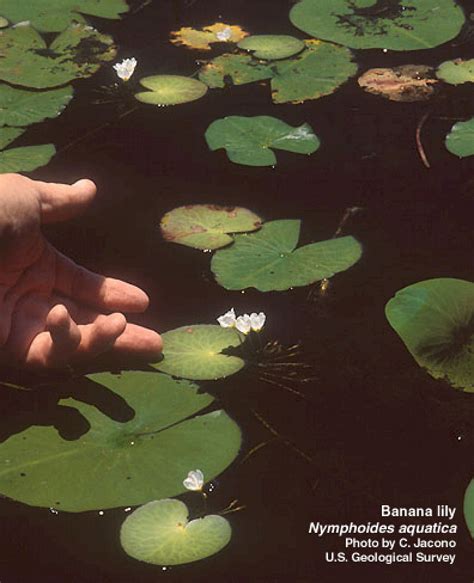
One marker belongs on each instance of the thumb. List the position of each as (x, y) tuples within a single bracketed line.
[(60, 202)]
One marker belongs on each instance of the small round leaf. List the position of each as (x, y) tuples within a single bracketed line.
[(195, 352), (170, 90), (205, 226), (159, 533), (456, 72), (460, 140), (272, 46)]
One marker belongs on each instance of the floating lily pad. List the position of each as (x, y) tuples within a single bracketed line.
[(317, 71), (240, 69), (469, 507), (77, 52), (457, 71), (170, 90), (201, 39), (404, 83), (269, 261), (7, 135), (205, 226), (195, 352), (272, 46), (435, 320), (368, 24), (3, 22), (120, 463), (248, 140), (460, 140), (19, 107), (159, 533), (56, 15), (26, 158)]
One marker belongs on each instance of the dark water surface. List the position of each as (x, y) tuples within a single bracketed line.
[(378, 429)]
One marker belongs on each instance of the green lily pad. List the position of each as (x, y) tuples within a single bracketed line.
[(77, 52), (435, 320), (317, 71), (469, 507), (248, 140), (205, 226), (195, 352), (368, 24), (159, 533), (3, 22), (121, 463), (272, 46), (20, 107), (456, 72), (268, 261), (26, 158), (460, 140), (170, 90), (7, 135), (241, 69), (56, 15)]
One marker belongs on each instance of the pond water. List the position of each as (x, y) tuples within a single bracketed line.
[(372, 427)]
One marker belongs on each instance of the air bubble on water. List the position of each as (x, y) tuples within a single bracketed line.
[(459, 437), (101, 513), (132, 443), (164, 568), (385, 50), (127, 509), (243, 291), (53, 510)]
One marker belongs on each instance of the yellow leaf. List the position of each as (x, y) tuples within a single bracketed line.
[(201, 39)]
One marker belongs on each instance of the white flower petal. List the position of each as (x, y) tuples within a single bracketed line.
[(126, 68), (228, 319), (224, 34), (194, 481), (257, 321), (243, 324)]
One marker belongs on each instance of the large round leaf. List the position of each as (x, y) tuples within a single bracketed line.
[(77, 52), (268, 260), (249, 140), (159, 533), (240, 69), (170, 90), (456, 72), (272, 46), (56, 15), (367, 24), (19, 107), (317, 71), (26, 158), (205, 226), (121, 463), (195, 352), (460, 140), (435, 320), (469, 507)]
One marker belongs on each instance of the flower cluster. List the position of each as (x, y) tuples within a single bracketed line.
[(126, 68), (243, 323)]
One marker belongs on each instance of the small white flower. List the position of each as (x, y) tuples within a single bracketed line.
[(194, 481), (228, 319), (126, 68), (243, 324), (257, 321), (224, 34)]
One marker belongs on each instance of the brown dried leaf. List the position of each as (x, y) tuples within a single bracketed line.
[(404, 83)]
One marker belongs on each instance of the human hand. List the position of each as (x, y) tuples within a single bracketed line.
[(52, 311)]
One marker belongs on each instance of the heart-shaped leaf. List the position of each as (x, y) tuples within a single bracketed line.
[(195, 352), (248, 140), (241, 69), (170, 90), (272, 46), (77, 52), (159, 533), (20, 107), (435, 320), (460, 140), (268, 261), (120, 463), (205, 226), (56, 15), (369, 24), (457, 71), (469, 507)]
